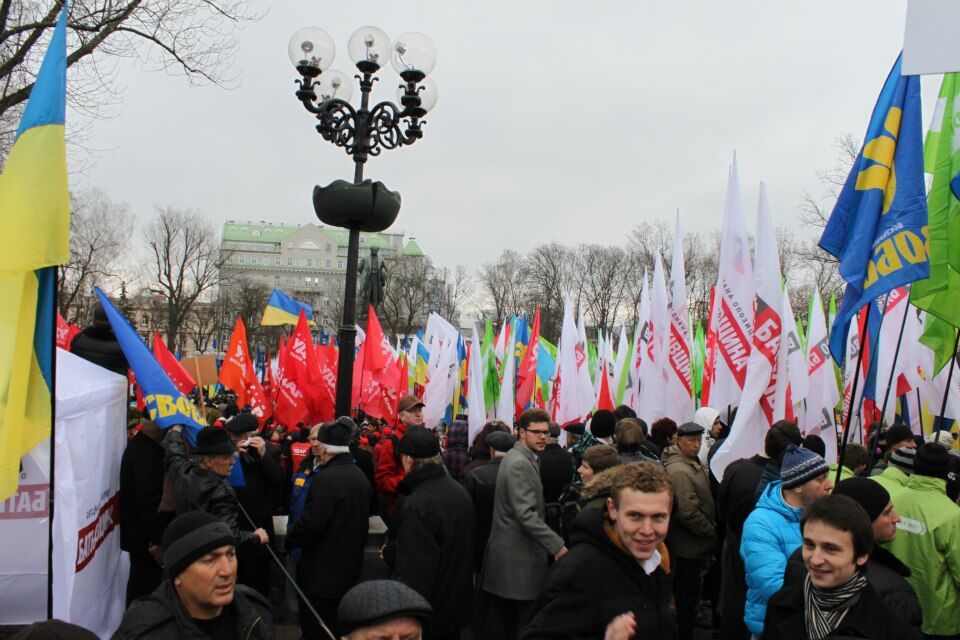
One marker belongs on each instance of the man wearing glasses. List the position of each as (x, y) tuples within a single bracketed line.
[(521, 544)]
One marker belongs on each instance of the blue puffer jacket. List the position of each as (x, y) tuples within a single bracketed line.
[(770, 536)]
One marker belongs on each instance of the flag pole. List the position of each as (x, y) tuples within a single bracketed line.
[(53, 447), (873, 359), (886, 397), (937, 427), (853, 395)]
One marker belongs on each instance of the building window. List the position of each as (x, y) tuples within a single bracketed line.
[(327, 247), (243, 260), (253, 260), (339, 264), (276, 262), (289, 262), (326, 302), (328, 264), (306, 280), (276, 279), (309, 262)]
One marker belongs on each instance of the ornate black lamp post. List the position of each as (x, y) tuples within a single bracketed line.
[(362, 132)]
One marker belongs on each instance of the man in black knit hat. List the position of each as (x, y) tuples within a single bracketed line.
[(199, 597)]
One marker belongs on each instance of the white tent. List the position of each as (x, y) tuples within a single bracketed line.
[(89, 569)]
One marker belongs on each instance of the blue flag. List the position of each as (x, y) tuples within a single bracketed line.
[(165, 404), (878, 227)]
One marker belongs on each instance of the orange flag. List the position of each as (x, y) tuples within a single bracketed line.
[(233, 371)]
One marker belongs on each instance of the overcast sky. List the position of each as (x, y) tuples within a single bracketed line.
[(562, 120)]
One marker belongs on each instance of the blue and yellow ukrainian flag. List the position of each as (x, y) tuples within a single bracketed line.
[(282, 309), (35, 224)]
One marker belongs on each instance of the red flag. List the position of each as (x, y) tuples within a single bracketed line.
[(326, 360), (380, 354), (66, 332), (256, 397), (709, 355), (233, 371), (403, 384), (132, 379), (527, 372), (178, 375), (268, 377), (605, 401), (290, 405)]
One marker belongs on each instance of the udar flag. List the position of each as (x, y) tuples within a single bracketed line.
[(233, 371), (756, 412)]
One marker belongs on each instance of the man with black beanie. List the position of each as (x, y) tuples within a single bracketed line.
[(602, 426), (199, 597), (929, 541), (332, 530)]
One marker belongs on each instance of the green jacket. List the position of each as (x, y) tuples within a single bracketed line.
[(892, 479), (928, 541), (844, 473)]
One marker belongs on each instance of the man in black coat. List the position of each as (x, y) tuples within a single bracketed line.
[(431, 539), (200, 597), (262, 479), (332, 530), (481, 484), (556, 466), (99, 345), (141, 527), (615, 574), (200, 484)]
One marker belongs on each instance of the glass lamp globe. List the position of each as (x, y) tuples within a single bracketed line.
[(369, 49), (334, 84), (413, 56), (427, 90), (311, 48)]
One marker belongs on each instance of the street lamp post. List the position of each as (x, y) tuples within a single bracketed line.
[(362, 132)]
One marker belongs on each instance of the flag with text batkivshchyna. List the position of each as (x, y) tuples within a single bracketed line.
[(678, 399), (878, 227), (757, 410), (822, 393), (36, 236), (178, 374), (165, 404), (282, 309), (939, 295)]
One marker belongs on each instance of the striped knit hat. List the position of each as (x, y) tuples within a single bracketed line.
[(799, 466), (902, 459)]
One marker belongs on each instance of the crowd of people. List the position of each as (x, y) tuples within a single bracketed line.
[(608, 529)]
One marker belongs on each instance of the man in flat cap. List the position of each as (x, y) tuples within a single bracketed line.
[(430, 547), (389, 471), (693, 536), (380, 609), (332, 529), (199, 597), (262, 478), (201, 483)]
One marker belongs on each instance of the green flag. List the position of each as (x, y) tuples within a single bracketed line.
[(491, 377), (939, 295)]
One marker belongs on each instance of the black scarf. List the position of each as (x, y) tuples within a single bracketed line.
[(824, 609)]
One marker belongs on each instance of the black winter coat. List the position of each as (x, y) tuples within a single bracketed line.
[(737, 496), (197, 488), (332, 529), (481, 484), (100, 347), (868, 618), (141, 487), (556, 470), (263, 477), (885, 573), (431, 545), (594, 583), (161, 616)]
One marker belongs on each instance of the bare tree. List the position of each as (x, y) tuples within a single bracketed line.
[(195, 38), (99, 236), (602, 272), (185, 262), (502, 283), (407, 294), (548, 279), (452, 286)]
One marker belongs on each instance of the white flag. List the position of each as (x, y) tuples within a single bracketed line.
[(732, 320), (505, 407), (756, 412), (623, 352), (641, 346), (678, 400), (793, 384), (654, 397), (822, 392), (476, 411), (572, 376)]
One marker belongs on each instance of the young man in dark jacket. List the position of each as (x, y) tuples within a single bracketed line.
[(332, 529), (615, 575), (200, 597), (835, 597), (431, 539), (141, 526)]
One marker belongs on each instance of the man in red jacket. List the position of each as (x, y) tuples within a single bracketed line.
[(389, 471)]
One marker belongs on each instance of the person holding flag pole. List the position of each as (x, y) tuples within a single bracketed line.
[(877, 229)]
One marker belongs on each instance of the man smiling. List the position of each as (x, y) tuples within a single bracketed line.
[(614, 583)]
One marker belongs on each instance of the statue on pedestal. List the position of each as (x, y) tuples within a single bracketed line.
[(373, 278)]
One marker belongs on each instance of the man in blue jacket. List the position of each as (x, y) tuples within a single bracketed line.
[(772, 532)]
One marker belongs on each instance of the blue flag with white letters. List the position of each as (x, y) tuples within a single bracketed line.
[(165, 404), (878, 228)]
